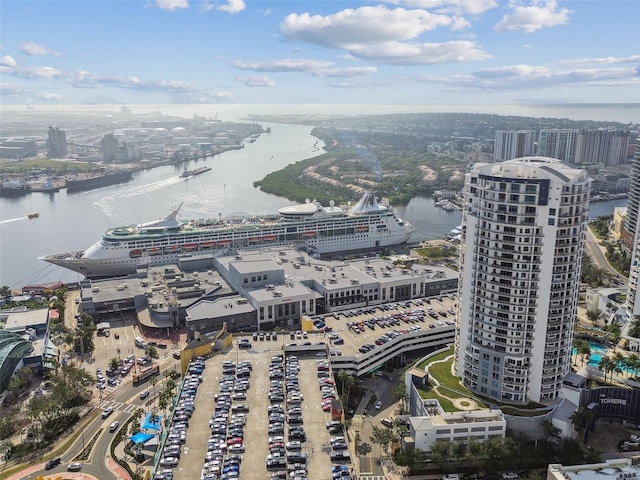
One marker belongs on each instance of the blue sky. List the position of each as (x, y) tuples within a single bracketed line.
[(319, 52)]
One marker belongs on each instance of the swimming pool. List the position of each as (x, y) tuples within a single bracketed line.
[(598, 351)]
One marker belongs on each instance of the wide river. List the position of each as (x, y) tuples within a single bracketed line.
[(69, 222)]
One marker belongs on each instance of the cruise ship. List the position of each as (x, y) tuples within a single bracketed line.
[(319, 229)]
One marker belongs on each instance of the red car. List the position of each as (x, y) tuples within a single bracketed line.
[(235, 441)]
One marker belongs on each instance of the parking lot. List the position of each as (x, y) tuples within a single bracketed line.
[(268, 405), (443, 306), (317, 446)]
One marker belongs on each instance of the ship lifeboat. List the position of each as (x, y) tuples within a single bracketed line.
[(255, 239), (224, 242), (135, 253), (362, 228), (270, 238), (309, 234), (171, 248), (190, 246), (153, 251), (207, 245)]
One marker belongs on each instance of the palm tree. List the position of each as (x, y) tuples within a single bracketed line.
[(633, 363), (583, 349), (606, 365), (551, 431), (154, 381), (347, 381), (114, 363), (154, 419), (163, 401)]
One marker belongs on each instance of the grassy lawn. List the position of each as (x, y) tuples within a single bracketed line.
[(436, 358), (445, 403), (437, 253), (57, 166)]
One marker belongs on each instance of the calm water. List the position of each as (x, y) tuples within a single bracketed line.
[(75, 221), (70, 222)]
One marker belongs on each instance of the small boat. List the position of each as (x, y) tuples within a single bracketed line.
[(34, 215)]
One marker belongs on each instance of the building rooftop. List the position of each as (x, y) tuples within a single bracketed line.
[(618, 469), (18, 320)]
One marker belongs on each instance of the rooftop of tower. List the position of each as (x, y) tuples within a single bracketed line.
[(533, 167)]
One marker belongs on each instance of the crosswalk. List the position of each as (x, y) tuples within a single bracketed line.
[(364, 476), (119, 406)]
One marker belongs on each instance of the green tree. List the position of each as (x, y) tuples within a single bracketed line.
[(412, 458), (383, 437), (634, 327), (5, 292), (114, 363), (607, 365), (151, 351), (153, 381), (583, 349), (399, 393), (346, 382)]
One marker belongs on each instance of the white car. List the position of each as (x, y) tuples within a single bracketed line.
[(379, 405), (169, 461)]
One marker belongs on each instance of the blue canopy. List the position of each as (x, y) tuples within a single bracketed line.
[(149, 425), (141, 437)]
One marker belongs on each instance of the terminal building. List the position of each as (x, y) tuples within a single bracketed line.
[(260, 290)]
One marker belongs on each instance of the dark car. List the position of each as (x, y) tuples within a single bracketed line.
[(54, 462)]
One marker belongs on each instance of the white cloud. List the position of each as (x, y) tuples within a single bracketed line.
[(381, 35), (258, 81), (460, 7), (31, 72), (8, 61), (179, 92), (365, 25), (600, 60), (538, 15), (232, 6), (519, 77), (36, 50), (398, 53), (172, 4), (345, 72), (27, 95), (283, 65)]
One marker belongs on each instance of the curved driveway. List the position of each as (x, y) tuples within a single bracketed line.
[(593, 249)]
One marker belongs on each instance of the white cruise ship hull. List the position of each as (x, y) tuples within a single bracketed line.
[(321, 230)]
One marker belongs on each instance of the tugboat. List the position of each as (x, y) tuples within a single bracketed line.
[(33, 215)]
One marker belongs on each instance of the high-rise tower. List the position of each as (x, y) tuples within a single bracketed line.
[(510, 144), (57, 142), (524, 222), (632, 227)]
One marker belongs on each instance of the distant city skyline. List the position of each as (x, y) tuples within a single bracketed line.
[(336, 52)]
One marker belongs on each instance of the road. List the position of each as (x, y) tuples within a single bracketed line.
[(124, 398), (592, 248)]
